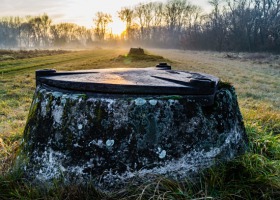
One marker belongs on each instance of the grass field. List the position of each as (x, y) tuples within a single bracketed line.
[(255, 175)]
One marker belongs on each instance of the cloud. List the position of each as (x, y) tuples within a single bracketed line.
[(30, 7), (22, 8)]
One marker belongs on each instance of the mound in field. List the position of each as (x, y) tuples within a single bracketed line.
[(138, 54)]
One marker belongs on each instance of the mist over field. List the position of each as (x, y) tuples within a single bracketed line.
[(246, 25)]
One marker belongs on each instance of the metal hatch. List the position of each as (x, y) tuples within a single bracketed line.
[(158, 80)]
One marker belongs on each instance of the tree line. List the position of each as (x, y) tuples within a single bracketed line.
[(231, 25), (40, 32)]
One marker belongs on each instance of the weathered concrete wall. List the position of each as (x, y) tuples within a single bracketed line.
[(111, 139)]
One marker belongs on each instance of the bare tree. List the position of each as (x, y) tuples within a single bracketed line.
[(174, 13), (158, 23), (218, 31), (140, 17), (126, 15), (101, 21), (45, 29)]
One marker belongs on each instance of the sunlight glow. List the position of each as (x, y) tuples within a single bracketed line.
[(117, 27)]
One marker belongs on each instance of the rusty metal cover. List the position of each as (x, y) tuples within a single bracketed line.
[(158, 80)]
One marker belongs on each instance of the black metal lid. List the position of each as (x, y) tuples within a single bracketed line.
[(132, 81)]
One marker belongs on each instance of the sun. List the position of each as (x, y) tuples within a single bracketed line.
[(117, 27)]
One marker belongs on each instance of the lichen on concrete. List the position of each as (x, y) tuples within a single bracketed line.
[(110, 139)]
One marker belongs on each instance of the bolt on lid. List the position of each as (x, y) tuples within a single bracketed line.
[(132, 81)]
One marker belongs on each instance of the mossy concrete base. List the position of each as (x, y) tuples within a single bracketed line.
[(109, 140)]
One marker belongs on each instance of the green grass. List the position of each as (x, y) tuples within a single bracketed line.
[(23, 54), (255, 175)]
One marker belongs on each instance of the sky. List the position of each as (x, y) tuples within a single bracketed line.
[(80, 12)]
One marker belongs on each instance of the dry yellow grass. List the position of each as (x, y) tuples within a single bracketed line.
[(257, 85), (254, 81)]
